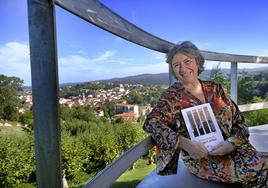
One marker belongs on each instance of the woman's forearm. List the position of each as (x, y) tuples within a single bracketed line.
[(184, 143), (194, 149)]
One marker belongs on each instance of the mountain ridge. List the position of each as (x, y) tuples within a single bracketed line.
[(163, 78)]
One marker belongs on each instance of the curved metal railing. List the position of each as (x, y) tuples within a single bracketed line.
[(98, 14)]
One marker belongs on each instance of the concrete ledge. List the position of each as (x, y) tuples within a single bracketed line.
[(183, 179), (258, 137)]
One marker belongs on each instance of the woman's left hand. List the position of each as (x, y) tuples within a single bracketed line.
[(223, 148)]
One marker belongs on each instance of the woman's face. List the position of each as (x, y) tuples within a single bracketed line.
[(185, 68)]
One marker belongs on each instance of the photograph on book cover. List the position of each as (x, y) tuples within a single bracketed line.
[(202, 125)]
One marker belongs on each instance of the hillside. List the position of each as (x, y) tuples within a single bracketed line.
[(162, 78)]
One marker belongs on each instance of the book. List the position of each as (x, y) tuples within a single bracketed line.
[(202, 125)]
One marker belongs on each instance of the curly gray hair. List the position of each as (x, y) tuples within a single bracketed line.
[(189, 49)]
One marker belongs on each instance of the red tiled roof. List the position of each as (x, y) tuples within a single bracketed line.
[(125, 115), (125, 105)]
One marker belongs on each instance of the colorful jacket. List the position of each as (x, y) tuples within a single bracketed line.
[(165, 123)]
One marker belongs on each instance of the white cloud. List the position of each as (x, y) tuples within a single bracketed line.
[(77, 68), (81, 52), (104, 56), (74, 61), (144, 68), (158, 56), (136, 69), (122, 62), (15, 60), (204, 45)]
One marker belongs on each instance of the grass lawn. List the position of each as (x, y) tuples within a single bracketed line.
[(132, 178), (11, 130)]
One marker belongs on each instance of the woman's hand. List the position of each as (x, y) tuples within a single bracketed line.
[(195, 149), (223, 148)]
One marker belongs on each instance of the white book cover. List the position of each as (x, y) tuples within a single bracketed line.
[(202, 125)]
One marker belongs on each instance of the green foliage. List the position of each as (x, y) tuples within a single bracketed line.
[(126, 135), (76, 120), (249, 86), (27, 118), (135, 97), (74, 126), (132, 178), (10, 87), (256, 117), (118, 120), (245, 90), (151, 97), (104, 143), (88, 147), (73, 157), (108, 109), (86, 88), (84, 113), (101, 149), (16, 157), (217, 77)]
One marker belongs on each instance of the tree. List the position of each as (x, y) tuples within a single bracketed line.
[(109, 109), (135, 98), (217, 76), (245, 89), (10, 88)]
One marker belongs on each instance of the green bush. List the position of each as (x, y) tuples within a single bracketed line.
[(16, 158), (101, 147), (27, 118), (256, 117), (73, 157), (87, 148)]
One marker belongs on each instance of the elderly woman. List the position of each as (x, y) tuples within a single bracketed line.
[(234, 159)]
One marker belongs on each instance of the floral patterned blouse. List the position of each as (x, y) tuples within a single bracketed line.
[(165, 123)]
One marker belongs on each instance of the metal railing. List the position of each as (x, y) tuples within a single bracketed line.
[(45, 85)]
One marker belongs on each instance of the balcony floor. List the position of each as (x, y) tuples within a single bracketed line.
[(258, 137)]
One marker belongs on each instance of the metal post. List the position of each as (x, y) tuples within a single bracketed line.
[(44, 69), (171, 77), (234, 81)]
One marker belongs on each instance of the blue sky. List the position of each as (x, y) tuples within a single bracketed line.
[(87, 53)]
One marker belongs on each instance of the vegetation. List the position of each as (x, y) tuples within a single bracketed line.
[(217, 76), (132, 178), (249, 86), (251, 89), (16, 157), (145, 95), (10, 88), (89, 144)]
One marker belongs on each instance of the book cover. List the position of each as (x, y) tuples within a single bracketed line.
[(202, 125)]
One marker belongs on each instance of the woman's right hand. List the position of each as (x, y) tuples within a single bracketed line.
[(194, 148)]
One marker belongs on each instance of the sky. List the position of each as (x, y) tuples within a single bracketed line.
[(87, 53)]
